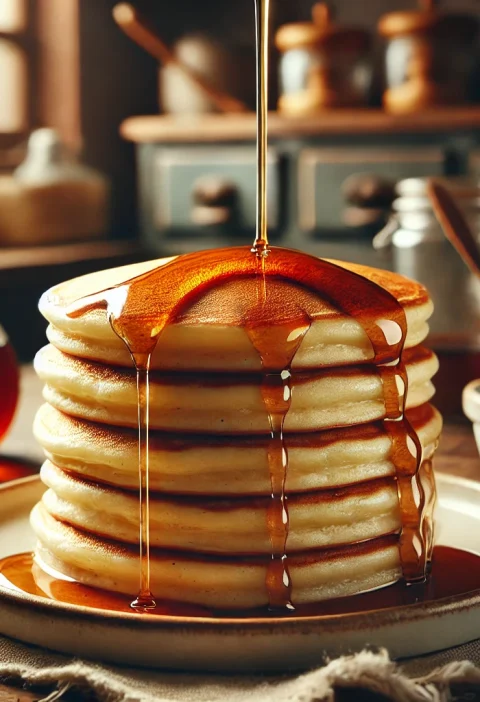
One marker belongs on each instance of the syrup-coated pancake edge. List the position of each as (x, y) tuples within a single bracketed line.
[(57, 299)]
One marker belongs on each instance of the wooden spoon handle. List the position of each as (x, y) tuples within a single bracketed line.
[(138, 29), (454, 224)]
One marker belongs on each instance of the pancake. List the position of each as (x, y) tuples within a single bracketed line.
[(225, 403), (217, 535), (212, 326), (213, 581), (317, 519), (209, 465)]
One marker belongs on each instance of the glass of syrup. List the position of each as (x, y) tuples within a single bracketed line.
[(9, 391)]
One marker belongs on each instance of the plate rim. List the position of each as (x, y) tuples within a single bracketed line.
[(370, 619)]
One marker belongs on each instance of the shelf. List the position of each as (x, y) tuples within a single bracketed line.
[(216, 127), (35, 261)]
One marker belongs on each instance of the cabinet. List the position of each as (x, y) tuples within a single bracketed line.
[(311, 164)]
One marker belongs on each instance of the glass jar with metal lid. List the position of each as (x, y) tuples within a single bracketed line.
[(323, 64), (419, 250)]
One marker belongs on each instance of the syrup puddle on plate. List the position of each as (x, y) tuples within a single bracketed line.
[(454, 573)]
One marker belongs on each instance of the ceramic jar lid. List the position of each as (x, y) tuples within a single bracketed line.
[(426, 19), (321, 32)]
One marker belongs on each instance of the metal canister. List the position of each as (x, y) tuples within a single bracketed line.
[(419, 249)]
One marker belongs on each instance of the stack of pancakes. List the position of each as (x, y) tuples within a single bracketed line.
[(209, 475)]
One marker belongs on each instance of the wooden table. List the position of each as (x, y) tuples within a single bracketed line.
[(457, 455)]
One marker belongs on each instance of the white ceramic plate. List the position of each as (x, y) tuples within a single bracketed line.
[(240, 645)]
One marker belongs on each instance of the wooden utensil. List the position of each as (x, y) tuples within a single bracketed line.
[(138, 29), (454, 224)]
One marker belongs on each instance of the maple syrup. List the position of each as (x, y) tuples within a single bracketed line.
[(262, 17)]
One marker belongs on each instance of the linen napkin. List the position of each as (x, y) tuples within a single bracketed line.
[(426, 679)]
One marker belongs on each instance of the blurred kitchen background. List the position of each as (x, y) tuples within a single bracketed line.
[(107, 157)]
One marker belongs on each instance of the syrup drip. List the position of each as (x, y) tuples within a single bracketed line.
[(144, 600), (427, 478), (276, 354), (407, 458), (277, 348)]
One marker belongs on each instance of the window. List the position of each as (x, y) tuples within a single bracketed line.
[(39, 72)]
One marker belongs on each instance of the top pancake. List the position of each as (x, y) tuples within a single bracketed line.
[(209, 333)]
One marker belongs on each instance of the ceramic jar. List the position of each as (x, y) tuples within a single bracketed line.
[(429, 58), (322, 65)]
